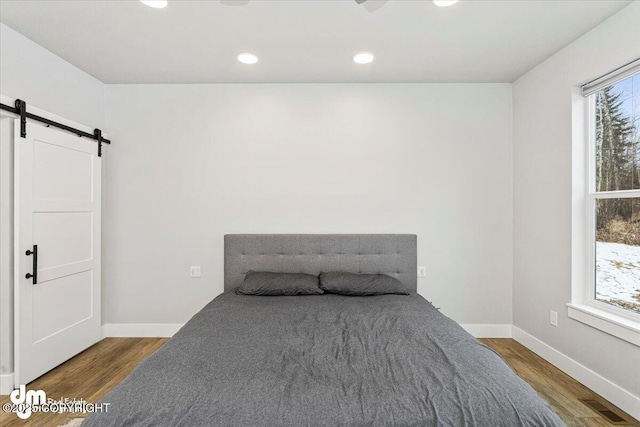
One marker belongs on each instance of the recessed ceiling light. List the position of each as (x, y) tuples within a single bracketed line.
[(156, 4), (248, 58), (444, 3), (363, 58)]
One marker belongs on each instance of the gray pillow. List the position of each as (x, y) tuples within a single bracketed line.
[(361, 284), (267, 283)]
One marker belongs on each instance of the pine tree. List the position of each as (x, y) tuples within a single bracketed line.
[(615, 155)]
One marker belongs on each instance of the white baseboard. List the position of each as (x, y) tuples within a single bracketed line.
[(6, 383), (489, 331), (140, 330), (607, 389)]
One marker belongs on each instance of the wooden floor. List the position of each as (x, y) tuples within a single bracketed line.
[(91, 374), (559, 389)]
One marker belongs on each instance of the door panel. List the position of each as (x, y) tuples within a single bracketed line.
[(51, 302), (63, 237), (57, 207), (60, 173)]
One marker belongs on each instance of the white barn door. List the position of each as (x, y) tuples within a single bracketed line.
[(57, 249)]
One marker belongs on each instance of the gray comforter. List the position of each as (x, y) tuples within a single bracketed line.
[(323, 360)]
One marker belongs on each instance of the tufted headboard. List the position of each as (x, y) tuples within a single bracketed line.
[(392, 254)]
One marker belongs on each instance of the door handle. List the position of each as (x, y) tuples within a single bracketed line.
[(33, 276)]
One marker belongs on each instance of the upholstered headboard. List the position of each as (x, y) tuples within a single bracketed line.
[(392, 254)]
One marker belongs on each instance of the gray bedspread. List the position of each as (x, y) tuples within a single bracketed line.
[(323, 360)]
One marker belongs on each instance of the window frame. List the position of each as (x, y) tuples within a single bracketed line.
[(592, 197), (584, 307)]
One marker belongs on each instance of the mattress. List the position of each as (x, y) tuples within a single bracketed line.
[(323, 360)]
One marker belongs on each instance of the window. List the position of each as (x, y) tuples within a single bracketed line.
[(606, 242), (615, 194)]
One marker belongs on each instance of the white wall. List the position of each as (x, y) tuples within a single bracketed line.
[(30, 72), (194, 162), (43, 80), (543, 120)]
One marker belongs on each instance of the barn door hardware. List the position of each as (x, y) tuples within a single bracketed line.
[(97, 133), (20, 109), (21, 106)]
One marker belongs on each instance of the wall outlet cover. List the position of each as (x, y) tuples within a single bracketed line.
[(422, 271), (195, 271), (553, 318)]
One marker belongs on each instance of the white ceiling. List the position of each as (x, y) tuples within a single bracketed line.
[(304, 40)]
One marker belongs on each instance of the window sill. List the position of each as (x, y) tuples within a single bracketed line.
[(618, 326)]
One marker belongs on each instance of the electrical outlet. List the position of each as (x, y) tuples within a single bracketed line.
[(195, 271), (553, 318), (422, 271)]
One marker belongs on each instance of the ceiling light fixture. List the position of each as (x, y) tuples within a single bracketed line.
[(444, 3), (156, 4), (363, 58), (248, 58)]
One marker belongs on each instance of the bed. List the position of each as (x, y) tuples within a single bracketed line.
[(323, 360)]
